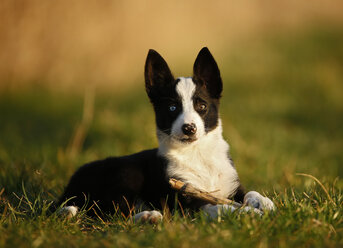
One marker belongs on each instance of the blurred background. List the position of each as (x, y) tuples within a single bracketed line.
[(72, 88), (67, 44)]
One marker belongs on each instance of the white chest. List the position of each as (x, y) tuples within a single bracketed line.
[(204, 165)]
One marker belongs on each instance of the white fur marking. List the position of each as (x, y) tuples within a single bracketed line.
[(186, 88), (203, 163)]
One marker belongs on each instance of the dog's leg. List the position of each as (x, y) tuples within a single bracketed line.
[(68, 212), (152, 217), (256, 200)]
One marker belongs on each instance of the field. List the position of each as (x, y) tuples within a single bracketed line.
[(282, 112)]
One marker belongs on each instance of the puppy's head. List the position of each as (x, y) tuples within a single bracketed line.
[(186, 109)]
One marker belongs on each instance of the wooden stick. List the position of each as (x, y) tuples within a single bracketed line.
[(189, 190)]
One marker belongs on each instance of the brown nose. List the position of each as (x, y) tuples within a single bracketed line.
[(189, 129)]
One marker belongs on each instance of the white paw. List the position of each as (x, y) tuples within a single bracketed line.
[(215, 211), (256, 200), (68, 212), (152, 217)]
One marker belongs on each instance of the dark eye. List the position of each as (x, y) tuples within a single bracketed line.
[(172, 108), (202, 107)]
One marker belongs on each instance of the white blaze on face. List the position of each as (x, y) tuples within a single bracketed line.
[(185, 89)]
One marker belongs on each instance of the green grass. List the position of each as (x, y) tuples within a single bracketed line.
[(282, 112)]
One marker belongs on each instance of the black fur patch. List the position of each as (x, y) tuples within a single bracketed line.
[(210, 115), (163, 100), (207, 74), (161, 88), (209, 87)]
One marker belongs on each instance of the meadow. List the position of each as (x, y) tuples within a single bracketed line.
[(282, 112)]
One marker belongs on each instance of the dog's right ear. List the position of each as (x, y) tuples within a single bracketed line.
[(157, 72)]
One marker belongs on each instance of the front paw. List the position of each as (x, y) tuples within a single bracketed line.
[(68, 212), (152, 217), (256, 200)]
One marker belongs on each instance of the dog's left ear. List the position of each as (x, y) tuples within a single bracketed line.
[(206, 72)]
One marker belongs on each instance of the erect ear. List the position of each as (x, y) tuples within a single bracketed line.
[(157, 72), (206, 72)]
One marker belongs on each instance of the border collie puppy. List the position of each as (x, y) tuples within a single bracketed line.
[(191, 149)]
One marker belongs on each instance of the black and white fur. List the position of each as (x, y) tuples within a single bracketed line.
[(191, 148)]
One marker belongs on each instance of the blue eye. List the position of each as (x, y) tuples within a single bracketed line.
[(172, 108)]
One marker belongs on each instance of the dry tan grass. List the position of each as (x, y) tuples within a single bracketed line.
[(66, 43)]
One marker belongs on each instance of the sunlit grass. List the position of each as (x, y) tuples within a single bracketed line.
[(306, 219)]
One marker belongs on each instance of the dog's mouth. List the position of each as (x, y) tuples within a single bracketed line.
[(188, 139), (184, 139)]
